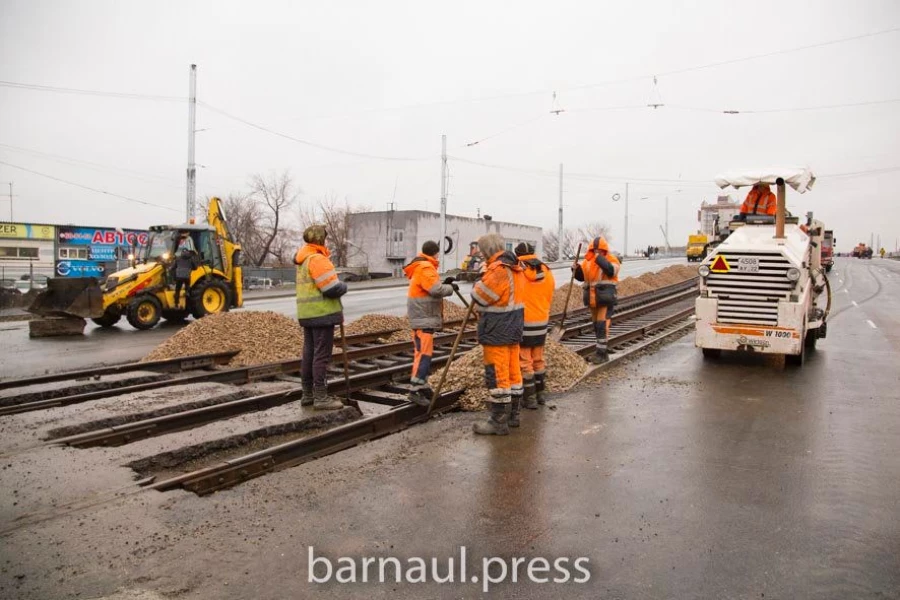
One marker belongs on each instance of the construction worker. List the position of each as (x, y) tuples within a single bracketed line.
[(538, 295), (319, 309), (185, 262), (600, 272), (425, 308), (759, 201), (498, 299), (882, 252)]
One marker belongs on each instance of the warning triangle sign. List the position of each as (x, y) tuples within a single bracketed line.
[(720, 265)]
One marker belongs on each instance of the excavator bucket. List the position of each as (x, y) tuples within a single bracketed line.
[(69, 297)]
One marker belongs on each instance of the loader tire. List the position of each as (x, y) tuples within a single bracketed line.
[(175, 316), (712, 353), (796, 360), (110, 317), (209, 297), (144, 312)]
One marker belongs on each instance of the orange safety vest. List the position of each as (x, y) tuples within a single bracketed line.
[(499, 298), (594, 275), (758, 203), (424, 304), (538, 296)]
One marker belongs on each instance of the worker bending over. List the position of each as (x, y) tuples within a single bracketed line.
[(425, 310), (319, 309), (538, 295), (600, 272), (498, 299), (759, 201)]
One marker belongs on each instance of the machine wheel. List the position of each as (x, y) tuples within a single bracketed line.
[(812, 336), (208, 298), (144, 312), (712, 353), (796, 360), (176, 316), (828, 268), (110, 317)]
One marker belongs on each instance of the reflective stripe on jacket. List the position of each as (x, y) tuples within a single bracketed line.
[(538, 295), (758, 203), (498, 297), (318, 288), (424, 299), (594, 275)]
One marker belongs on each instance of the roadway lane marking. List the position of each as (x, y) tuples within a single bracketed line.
[(853, 302), (871, 324)]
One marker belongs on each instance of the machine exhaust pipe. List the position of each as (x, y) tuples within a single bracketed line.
[(780, 209)]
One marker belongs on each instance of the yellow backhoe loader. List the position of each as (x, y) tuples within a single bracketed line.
[(144, 293)]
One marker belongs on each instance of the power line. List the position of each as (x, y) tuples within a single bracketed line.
[(92, 165), (783, 110), (85, 187), (859, 173), (84, 92), (507, 130), (307, 142)]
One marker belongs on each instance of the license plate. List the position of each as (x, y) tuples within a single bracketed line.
[(748, 265)]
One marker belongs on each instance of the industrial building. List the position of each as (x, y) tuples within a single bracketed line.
[(724, 209), (384, 241)]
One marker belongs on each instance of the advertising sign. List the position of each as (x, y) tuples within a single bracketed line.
[(26, 231), (80, 268), (102, 245), (89, 236)]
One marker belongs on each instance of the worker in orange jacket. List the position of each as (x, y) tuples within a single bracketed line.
[(538, 297), (599, 270), (498, 298), (759, 201), (425, 310), (319, 309)]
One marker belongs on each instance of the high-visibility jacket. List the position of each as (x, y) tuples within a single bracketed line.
[(759, 203), (499, 298), (318, 288), (424, 304), (538, 297), (597, 270)]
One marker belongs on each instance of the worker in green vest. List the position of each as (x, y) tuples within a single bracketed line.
[(319, 309)]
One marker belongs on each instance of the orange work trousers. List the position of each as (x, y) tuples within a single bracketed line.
[(502, 372), (423, 347), (531, 358), (601, 313)]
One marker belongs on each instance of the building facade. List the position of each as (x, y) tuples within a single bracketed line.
[(724, 209), (26, 249), (384, 241)]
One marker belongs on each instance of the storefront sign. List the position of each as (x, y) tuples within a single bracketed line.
[(80, 268), (27, 231), (87, 236)]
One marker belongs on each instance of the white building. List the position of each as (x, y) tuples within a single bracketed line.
[(26, 249), (387, 240), (724, 209)]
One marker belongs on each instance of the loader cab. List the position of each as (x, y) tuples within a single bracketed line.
[(161, 245)]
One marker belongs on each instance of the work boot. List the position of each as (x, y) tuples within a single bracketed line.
[(515, 406), (540, 388), (498, 422), (421, 396), (529, 395), (601, 355), (307, 398), (321, 400)]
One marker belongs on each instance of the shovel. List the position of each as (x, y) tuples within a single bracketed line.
[(462, 329), (559, 329), (349, 401)]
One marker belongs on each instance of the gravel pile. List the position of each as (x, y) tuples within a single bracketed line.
[(559, 299), (258, 337), (564, 368), (453, 311), (376, 323)]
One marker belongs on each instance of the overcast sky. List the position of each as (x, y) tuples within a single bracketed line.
[(388, 78)]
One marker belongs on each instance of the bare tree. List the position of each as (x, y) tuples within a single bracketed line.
[(245, 223), (275, 195), (335, 215), (551, 245), (594, 229)]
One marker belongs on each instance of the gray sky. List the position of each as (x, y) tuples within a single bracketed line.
[(388, 78)]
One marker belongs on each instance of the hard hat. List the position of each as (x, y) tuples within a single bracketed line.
[(599, 244), (315, 234)]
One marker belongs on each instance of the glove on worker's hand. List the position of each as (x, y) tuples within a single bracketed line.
[(449, 281), (454, 286)]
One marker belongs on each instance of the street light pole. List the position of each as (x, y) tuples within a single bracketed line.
[(559, 237), (625, 249), (441, 244), (192, 126)]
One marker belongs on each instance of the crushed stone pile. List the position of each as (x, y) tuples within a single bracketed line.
[(453, 311), (564, 368), (258, 336), (376, 323)]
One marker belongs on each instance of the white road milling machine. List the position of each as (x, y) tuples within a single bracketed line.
[(762, 289)]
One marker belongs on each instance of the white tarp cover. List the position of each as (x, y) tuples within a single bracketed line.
[(799, 178)]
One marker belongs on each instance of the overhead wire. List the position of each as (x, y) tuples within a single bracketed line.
[(85, 187), (783, 110), (85, 92)]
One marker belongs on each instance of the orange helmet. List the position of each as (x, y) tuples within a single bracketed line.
[(599, 244)]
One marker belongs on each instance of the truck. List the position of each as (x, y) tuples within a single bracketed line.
[(697, 247), (144, 293), (862, 250), (762, 288), (828, 250)]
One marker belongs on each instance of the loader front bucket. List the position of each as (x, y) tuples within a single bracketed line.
[(70, 297)]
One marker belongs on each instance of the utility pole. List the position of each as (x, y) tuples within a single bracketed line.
[(559, 237), (444, 177), (10, 201), (668, 247), (192, 130), (875, 249), (625, 249)]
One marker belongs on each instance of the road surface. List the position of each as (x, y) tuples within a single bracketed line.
[(25, 357)]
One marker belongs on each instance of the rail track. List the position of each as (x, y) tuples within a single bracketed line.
[(378, 375)]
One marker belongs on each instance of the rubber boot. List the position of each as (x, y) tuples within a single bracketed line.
[(601, 355), (321, 400), (498, 422), (515, 406), (307, 398), (529, 395), (421, 396), (540, 388)]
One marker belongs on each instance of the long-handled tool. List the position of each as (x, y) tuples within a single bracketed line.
[(350, 401), (462, 329), (560, 328)]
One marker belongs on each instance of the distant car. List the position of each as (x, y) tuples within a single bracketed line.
[(24, 286), (8, 284)]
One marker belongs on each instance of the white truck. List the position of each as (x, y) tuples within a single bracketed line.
[(761, 289)]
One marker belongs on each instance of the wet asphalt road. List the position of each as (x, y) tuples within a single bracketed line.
[(676, 477), (23, 357)]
